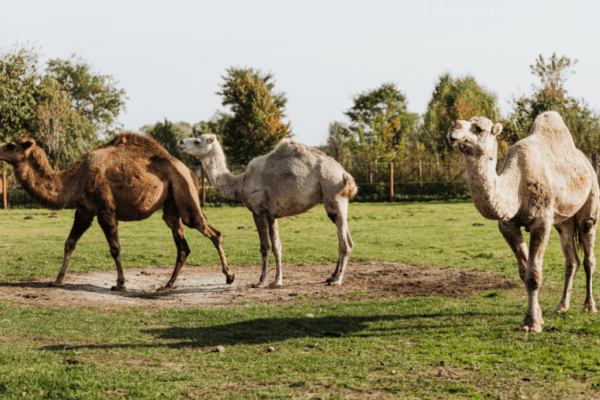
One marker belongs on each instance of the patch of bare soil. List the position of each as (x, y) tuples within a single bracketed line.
[(205, 286)]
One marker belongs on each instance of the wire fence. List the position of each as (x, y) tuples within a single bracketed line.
[(377, 182)]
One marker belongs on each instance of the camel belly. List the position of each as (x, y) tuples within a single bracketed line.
[(137, 202)]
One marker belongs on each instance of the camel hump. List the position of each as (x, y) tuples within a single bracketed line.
[(145, 144), (551, 126)]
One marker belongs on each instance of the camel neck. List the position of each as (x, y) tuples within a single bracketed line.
[(226, 184), (494, 196), (50, 189)]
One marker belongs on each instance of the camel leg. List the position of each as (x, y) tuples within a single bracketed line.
[(202, 225), (109, 225), (172, 219), (533, 276), (276, 244), (513, 236), (81, 224), (337, 211), (587, 228), (262, 226), (566, 230)]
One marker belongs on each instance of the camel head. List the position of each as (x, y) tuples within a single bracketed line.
[(198, 147), (17, 150), (475, 137)]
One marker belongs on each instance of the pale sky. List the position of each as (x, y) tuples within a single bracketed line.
[(169, 56)]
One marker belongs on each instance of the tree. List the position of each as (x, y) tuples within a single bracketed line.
[(379, 123), (169, 134), (551, 95), (385, 100), (454, 99), (255, 126), (338, 142), (18, 91), (64, 108), (96, 97), (61, 130)]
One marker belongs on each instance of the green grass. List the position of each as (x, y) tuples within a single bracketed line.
[(347, 349)]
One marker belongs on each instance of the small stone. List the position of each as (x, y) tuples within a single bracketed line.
[(412, 368), (343, 362), (242, 228), (382, 363), (393, 372), (310, 316), (526, 379), (219, 349), (271, 349), (23, 393)]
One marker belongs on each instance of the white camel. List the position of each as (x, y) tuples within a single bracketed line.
[(290, 180), (545, 181)]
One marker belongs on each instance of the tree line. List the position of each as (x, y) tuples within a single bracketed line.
[(69, 107)]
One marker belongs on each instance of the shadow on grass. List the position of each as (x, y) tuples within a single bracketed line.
[(273, 330), (153, 294)]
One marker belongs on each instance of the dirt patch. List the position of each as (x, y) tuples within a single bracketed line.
[(205, 286)]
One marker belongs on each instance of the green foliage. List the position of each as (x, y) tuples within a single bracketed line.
[(18, 91), (379, 123), (168, 134), (255, 127), (338, 136), (63, 132), (96, 97), (454, 99), (551, 95), (215, 125), (64, 109)]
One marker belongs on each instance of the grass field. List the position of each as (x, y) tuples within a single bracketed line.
[(428, 347)]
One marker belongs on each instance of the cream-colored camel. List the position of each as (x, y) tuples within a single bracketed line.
[(545, 181), (290, 180), (127, 179)]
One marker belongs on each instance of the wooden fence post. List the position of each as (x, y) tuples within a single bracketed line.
[(203, 187), (4, 191), (391, 182)]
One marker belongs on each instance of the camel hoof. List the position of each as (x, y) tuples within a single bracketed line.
[(276, 285), (590, 308), (561, 309), (56, 284), (259, 285), (530, 325), (118, 288), (162, 289), (333, 283), (230, 279)]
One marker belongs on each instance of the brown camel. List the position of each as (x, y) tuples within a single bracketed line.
[(545, 181), (290, 180), (126, 179)]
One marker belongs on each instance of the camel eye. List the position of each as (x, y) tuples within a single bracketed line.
[(11, 146)]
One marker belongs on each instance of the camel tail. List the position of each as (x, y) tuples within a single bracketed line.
[(580, 228), (350, 189)]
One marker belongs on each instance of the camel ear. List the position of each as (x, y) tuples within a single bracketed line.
[(497, 129), (211, 139), (27, 144)]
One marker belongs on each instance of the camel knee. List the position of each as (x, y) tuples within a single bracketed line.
[(264, 250), (70, 246), (532, 282), (332, 216), (115, 251)]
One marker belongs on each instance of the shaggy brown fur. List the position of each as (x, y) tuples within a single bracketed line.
[(126, 179)]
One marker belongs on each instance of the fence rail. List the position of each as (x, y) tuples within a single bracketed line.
[(377, 182)]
